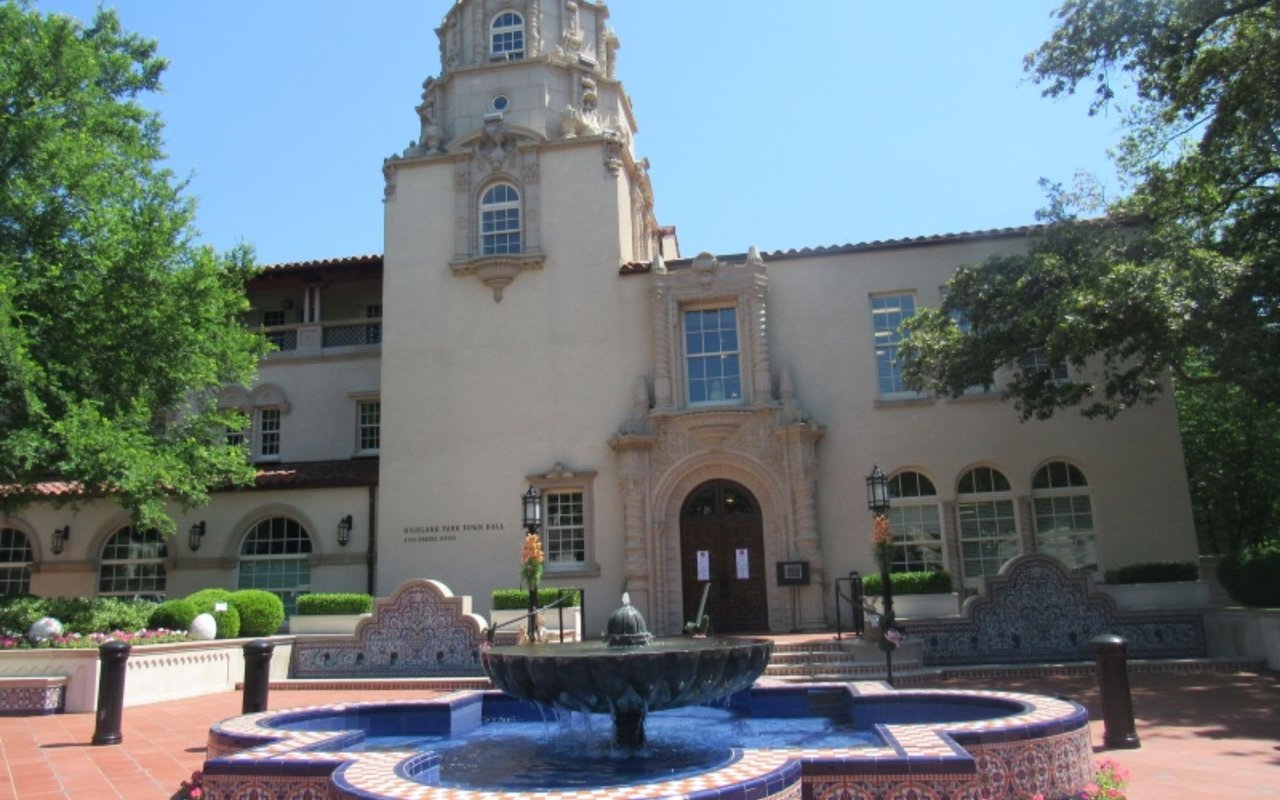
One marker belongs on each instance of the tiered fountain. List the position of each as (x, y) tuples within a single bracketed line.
[(629, 674)]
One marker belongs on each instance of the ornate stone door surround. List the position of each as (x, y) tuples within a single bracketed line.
[(765, 442)]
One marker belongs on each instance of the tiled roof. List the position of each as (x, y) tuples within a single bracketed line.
[(300, 475), (373, 260), (859, 247)]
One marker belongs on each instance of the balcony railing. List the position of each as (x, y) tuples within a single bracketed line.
[(315, 337)]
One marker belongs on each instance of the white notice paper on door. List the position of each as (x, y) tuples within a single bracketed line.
[(744, 564), (704, 565)]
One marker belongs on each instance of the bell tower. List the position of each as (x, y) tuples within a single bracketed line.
[(522, 82)]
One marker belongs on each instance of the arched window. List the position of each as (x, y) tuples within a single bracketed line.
[(506, 38), (988, 526), (916, 524), (133, 565), (500, 220), (1064, 515), (15, 562), (273, 556)]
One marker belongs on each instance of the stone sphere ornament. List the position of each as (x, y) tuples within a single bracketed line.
[(204, 627), (44, 629)]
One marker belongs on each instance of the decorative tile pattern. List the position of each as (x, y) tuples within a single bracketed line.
[(421, 630), (1037, 611), (1025, 744), (32, 696)]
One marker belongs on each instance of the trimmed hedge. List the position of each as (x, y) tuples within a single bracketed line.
[(1252, 575), (518, 599), (261, 612), (228, 622), (1154, 572), (205, 598), (334, 603), (174, 615), (927, 582)]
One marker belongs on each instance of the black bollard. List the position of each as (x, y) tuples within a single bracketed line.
[(112, 654), (257, 675), (1113, 682)]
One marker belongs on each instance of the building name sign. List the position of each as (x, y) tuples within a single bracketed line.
[(446, 533)]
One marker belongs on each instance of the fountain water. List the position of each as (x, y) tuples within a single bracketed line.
[(629, 674)]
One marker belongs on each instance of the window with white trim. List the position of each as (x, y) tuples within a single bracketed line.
[(1064, 515), (712, 357), (1037, 361), (275, 556), (567, 521), (266, 432), (132, 565), (500, 220), (16, 557), (887, 314), (916, 522), (986, 521), (506, 36), (368, 426), (565, 529)]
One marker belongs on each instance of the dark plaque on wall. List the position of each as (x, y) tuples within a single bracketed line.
[(793, 573)]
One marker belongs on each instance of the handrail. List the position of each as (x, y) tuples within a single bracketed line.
[(558, 603)]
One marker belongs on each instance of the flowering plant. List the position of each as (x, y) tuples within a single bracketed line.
[(882, 542), (68, 641), (531, 560), (191, 789), (1108, 783)]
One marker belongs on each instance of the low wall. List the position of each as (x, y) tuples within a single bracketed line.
[(153, 674), (1244, 632)]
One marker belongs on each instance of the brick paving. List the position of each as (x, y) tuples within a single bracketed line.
[(1204, 735)]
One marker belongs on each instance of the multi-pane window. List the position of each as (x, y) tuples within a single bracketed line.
[(916, 524), (268, 432), (271, 319), (713, 371), (369, 424), (373, 330), (274, 556), (1064, 515), (988, 527), (133, 564), (500, 220), (565, 532), (507, 36), (1037, 361), (16, 557), (887, 314)]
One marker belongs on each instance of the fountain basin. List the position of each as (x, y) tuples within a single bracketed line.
[(998, 745)]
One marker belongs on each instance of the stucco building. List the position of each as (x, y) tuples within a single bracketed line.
[(686, 419)]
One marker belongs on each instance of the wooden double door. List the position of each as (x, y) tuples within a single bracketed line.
[(722, 545)]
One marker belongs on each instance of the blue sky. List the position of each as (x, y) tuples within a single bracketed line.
[(781, 125)]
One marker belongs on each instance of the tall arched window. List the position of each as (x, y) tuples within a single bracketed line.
[(133, 564), (273, 556), (1064, 515), (988, 526), (500, 220), (506, 38), (916, 524), (15, 562)]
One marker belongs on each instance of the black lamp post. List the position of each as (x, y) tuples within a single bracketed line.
[(878, 504), (531, 508)]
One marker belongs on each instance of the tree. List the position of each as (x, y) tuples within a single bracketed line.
[(1180, 277), (116, 330)]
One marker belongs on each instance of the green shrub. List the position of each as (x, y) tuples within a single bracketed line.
[(86, 615), (228, 622), (1252, 575), (518, 599), (1154, 572), (334, 603), (17, 614), (174, 615), (261, 612), (928, 582), (204, 599)]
